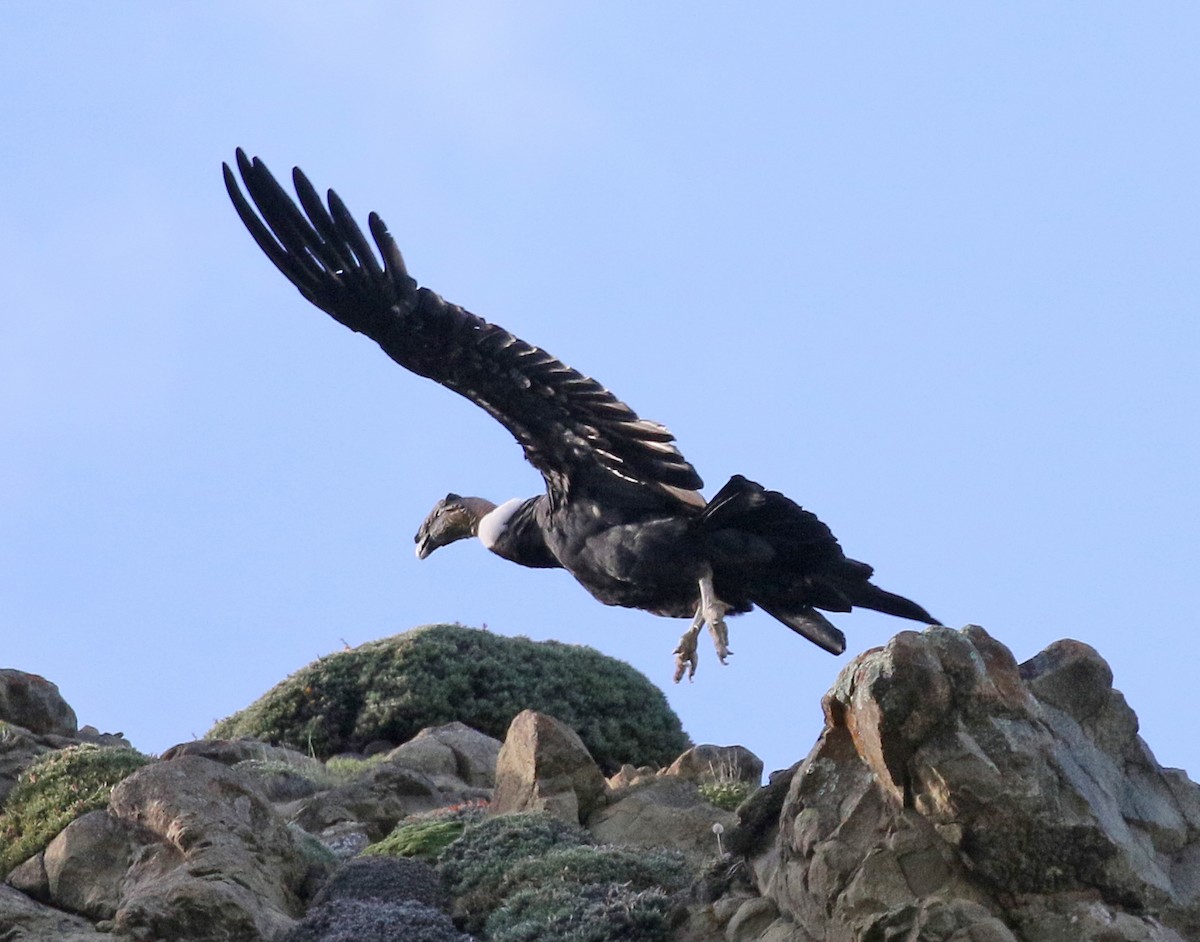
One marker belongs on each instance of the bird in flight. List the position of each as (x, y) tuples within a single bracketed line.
[(622, 511)]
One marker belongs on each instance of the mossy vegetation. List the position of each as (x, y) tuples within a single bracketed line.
[(342, 769), (475, 865), (589, 913), (533, 878), (55, 790), (391, 689), (427, 834), (728, 794), (638, 869)]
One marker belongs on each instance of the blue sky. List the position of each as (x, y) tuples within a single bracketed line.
[(931, 271)]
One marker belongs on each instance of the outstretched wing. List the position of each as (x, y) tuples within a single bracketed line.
[(573, 430)]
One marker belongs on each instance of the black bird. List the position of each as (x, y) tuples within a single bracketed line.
[(622, 510)]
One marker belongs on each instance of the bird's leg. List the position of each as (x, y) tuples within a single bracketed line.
[(713, 610), (686, 657)]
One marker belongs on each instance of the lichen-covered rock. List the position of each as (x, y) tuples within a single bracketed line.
[(217, 861), (949, 783), (86, 863), (666, 812), (378, 798), (544, 766), (453, 750)]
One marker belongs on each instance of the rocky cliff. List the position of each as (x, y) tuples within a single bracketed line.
[(953, 796)]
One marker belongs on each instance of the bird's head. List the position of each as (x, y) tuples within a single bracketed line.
[(452, 518)]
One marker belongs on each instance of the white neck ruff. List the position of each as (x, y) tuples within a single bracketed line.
[(493, 523)]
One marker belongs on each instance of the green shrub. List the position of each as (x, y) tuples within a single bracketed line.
[(55, 790), (580, 866), (589, 913), (427, 834), (475, 865), (393, 688)]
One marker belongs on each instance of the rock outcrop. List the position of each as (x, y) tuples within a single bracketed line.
[(544, 766), (953, 796), (953, 791)]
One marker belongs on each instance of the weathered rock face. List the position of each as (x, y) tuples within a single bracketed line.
[(544, 766), (953, 791), (186, 850), (23, 920), (451, 755), (666, 812), (376, 801), (219, 855)]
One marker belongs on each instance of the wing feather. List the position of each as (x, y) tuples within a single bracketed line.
[(572, 429)]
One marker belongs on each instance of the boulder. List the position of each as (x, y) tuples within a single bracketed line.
[(708, 764), (472, 753), (427, 755), (33, 703), (233, 751), (953, 791), (375, 800), (628, 775), (24, 920), (751, 919), (666, 812), (544, 766), (217, 861), (85, 865)]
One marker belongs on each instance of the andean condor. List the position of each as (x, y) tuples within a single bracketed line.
[(622, 510)]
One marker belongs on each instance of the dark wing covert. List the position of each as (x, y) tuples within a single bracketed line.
[(568, 424)]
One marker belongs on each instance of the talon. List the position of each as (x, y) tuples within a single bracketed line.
[(684, 663)]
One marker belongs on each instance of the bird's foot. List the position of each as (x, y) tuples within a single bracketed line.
[(720, 634), (711, 612), (685, 661), (687, 658)]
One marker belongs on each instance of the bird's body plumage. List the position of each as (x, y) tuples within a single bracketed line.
[(622, 511)]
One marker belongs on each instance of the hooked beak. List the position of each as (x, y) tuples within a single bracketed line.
[(423, 545)]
